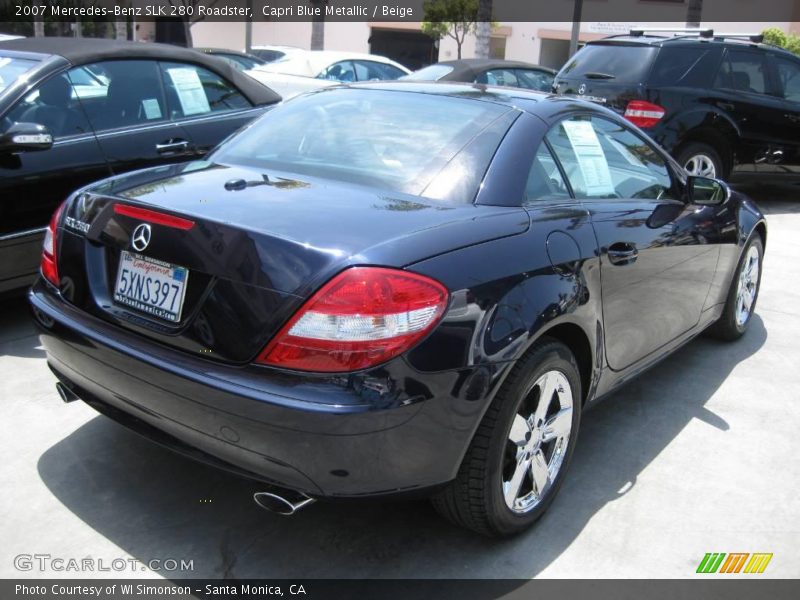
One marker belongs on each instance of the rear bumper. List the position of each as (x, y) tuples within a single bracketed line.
[(386, 431)]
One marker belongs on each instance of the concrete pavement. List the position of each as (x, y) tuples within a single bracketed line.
[(699, 455)]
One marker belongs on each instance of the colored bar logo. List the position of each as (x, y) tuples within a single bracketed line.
[(734, 562)]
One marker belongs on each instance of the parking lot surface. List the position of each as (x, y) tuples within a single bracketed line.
[(698, 455)]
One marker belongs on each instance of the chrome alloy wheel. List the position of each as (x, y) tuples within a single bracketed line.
[(700, 165), (748, 286), (537, 442)]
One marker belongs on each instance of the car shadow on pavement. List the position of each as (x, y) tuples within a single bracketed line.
[(154, 504)]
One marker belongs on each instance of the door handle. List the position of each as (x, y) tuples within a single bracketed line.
[(726, 106), (622, 253), (172, 146)]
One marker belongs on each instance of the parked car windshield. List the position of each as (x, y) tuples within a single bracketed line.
[(430, 73), (616, 63), (393, 140), (12, 68)]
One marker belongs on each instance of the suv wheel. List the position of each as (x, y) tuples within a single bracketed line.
[(701, 160)]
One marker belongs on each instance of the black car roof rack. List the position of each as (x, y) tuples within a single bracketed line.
[(684, 31), (756, 38)]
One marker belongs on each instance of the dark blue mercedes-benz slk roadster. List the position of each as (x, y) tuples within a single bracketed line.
[(393, 288)]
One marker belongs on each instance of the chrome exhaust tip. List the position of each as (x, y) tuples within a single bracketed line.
[(282, 503), (67, 395)]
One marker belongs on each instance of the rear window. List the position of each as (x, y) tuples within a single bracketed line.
[(431, 73), (685, 66), (615, 63), (393, 140), (268, 55), (13, 68)]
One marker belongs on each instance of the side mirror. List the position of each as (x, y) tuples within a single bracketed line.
[(706, 191), (25, 137)]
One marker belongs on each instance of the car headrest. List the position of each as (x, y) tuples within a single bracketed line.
[(55, 92), (740, 80)]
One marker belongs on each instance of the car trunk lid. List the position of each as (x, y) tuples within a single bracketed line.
[(254, 246)]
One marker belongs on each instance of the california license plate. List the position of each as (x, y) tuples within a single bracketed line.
[(151, 286)]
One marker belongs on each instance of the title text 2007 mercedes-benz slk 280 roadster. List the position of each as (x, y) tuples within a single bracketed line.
[(395, 287)]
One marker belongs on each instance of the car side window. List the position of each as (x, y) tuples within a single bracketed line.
[(368, 70), (54, 104), (742, 71), (195, 91), (605, 159), (120, 93), (340, 71), (541, 81), (498, 77), (544, 179), (789, 78)]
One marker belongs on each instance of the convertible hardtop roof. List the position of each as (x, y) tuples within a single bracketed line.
[(81, 51)]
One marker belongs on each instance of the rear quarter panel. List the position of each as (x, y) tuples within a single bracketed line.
[(508, 293)]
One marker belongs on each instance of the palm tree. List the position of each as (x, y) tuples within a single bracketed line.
[(694, 12), (483, 31), (38, 23), (121, 30), (318, 25)]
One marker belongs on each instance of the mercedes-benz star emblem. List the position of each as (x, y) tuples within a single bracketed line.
[(582, 89), (141, 237)]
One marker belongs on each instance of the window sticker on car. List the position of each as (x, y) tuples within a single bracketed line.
[(190, 91), (151, 108), (591, 158)]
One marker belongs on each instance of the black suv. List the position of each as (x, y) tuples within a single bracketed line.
[(722, 105)]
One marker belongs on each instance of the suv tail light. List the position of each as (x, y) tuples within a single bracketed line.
[(644, 114), (362, 317), (49, 266)]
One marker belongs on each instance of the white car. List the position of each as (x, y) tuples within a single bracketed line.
[(5, 37), (306, 70)]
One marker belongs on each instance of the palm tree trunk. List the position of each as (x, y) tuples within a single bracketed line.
[(694, 13), (38, 24), (120, 30), (483, 31), (318, 25)]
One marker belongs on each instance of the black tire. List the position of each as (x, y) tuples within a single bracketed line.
[(693, 150), (475, 498), (730, 327)]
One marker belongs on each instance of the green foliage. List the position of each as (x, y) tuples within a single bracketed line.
[(777, 37), (449, 18)]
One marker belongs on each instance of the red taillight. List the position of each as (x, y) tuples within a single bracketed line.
[(362, 317), (151, 216), (644, 114), (49, 265)]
